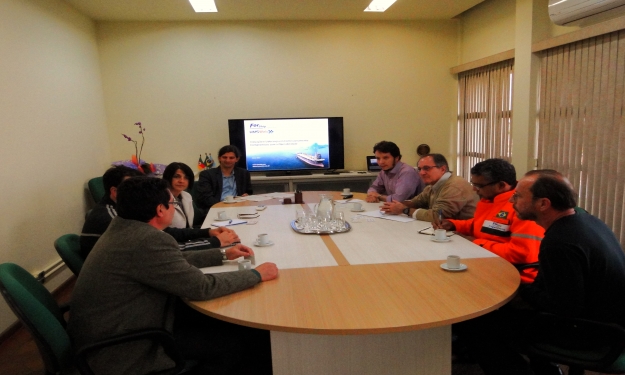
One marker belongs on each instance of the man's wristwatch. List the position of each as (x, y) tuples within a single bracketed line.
[(406, 211), (223, 254)]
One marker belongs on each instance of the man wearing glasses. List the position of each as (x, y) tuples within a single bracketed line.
[(99, 218), (136, 278), (445, 195), (582, 275), (495, 225)]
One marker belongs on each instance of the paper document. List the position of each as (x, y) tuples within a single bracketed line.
[(430, 231), (350, 200), (228, 223), (379, 215), (256, 198)]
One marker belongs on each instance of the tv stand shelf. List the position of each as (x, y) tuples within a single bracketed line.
[(357, 182)]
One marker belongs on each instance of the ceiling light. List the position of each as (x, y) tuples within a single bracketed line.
[(379, 5), (201, 6)]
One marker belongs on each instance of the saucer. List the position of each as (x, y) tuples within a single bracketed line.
[(270, 243), (435, 240), (361, 210), (462, 268), (229, 202), (218, 219)]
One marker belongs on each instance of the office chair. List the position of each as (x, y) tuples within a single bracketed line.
[(96, 188), (578, 343), (38, 311), (68, 247)]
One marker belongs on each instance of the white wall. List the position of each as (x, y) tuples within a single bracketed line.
[(52, 129), (183, 81)]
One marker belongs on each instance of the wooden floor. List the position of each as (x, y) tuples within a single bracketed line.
[(19, 354)]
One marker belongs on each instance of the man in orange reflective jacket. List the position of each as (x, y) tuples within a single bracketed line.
[(495, 225)]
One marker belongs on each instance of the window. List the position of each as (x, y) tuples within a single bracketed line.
[(484, 115), (581, 124)]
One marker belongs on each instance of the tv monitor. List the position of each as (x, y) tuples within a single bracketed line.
[(283, 146)]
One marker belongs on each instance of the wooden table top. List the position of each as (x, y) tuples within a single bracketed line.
[(351, 298)]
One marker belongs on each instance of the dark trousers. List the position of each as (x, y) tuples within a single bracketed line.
[(221, 347), (491, 338)]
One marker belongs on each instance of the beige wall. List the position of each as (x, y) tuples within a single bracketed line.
[(52, 129), (185, 80), (487, 29)]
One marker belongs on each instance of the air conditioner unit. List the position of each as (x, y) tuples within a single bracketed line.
[(563, 12)]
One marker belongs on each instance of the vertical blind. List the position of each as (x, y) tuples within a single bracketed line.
[(581, 125), (484, 115)]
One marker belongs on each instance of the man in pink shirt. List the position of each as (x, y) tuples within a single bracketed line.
[(397, 180)]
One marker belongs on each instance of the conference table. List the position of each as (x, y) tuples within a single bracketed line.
[(371, 300)]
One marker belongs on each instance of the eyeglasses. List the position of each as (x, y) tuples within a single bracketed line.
[(427, 168), (514, 196), (481, 186), (175, 203)]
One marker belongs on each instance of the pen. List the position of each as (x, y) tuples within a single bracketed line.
[(440, 216), (230, 222)]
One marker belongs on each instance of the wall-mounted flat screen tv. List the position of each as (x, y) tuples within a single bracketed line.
[(289, 145)]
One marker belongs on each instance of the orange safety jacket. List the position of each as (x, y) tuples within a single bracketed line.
[(497, 228)]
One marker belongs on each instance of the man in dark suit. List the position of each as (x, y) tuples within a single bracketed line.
[(216, 184)]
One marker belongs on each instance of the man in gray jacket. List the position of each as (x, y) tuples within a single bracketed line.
[(134, 278)]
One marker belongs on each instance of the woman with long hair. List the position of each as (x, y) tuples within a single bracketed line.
[(180, 178)]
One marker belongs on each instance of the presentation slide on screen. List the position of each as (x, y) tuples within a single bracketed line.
[(286, 144)]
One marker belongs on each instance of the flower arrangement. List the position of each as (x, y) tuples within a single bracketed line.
[(136, 162)]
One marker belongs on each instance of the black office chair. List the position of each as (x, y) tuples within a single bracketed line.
[(38, 311), (578, 343)]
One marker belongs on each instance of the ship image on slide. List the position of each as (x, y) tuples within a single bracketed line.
[(311, 159)]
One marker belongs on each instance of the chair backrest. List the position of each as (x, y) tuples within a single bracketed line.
[(96, 188), (68, 247), (39, 312)]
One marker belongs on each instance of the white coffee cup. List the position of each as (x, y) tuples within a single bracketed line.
[(229, 198), (250, 210), (245, 264), (263, 239), (346, 191), (453, 262), (440, 235), (221, 215), (356, 206)]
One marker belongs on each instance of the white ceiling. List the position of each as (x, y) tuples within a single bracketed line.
[(261, 10)]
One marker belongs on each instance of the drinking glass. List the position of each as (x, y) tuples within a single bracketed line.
[(310, 222), (299, 219), (339, 220)]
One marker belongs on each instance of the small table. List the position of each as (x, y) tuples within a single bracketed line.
[(372, 300)]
